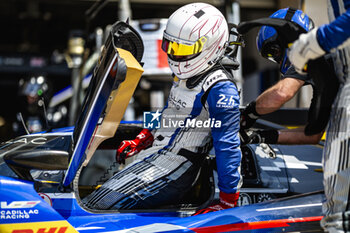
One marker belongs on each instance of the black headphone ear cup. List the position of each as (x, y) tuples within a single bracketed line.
[(272, 50), (311, 24)]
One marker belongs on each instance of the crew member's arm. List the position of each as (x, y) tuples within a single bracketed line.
[(297, 136), (273, 98), (283, 136), (318, 41), (270, 100), (334, 34)]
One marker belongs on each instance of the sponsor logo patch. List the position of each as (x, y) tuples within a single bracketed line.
[(217, 76), (38, 227), (18, 204), (225, 101)]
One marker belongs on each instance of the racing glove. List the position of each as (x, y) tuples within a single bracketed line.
[(227, 200), (304, 49), (129, 148), (269, 136), (249, 116)]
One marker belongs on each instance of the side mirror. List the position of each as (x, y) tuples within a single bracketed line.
[(22, 162)]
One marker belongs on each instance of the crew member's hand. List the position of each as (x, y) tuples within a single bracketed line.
[(244, 137), (269, 136), (129, 148), (249, 116), (304, 49), (227, 200)]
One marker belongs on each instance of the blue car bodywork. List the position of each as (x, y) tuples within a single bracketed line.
[(27, 210), (34, 201)]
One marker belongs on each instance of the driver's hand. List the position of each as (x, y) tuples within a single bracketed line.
[(126, 149), (304, 49), (129, 148)]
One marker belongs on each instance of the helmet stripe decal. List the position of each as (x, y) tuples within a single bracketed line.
[(189, 19)]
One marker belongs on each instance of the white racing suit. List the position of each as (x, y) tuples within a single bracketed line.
[(336, 155), (201, 112)]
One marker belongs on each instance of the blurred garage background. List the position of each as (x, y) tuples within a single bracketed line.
[(48, 48)]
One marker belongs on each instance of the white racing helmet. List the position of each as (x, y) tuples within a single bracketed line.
[(194, 39)]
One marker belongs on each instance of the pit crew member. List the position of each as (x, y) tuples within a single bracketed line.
[(273, 98), (333, 38)]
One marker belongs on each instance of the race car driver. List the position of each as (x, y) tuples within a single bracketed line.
[(333, 38), (273, 98), (203, 111)]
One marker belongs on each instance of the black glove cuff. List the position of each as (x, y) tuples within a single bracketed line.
[(251, 110), (270, 136)]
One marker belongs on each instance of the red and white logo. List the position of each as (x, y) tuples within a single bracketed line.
[(46, 198), (18, 204)]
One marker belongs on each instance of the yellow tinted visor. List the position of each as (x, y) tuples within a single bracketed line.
[(178, 47)]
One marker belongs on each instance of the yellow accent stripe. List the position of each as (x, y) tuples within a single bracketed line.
[(292, 127), (38, 227), (49, 182)]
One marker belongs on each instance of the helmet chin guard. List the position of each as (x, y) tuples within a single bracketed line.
[(194, 39)]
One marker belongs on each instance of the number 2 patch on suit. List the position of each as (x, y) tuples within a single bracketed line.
[(225, 101)]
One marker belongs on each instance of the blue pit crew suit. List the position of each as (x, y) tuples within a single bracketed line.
[(201, 112), (334, 38)]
